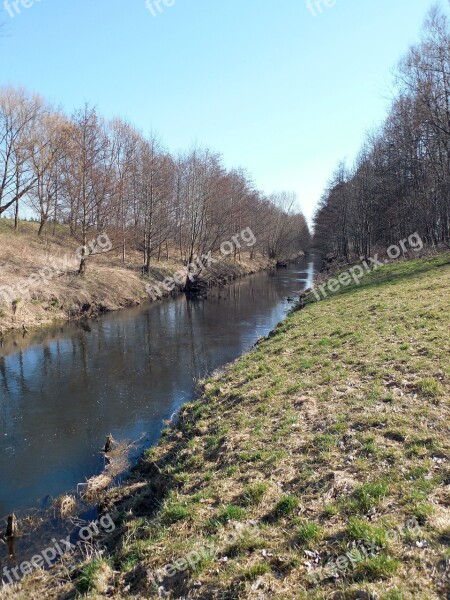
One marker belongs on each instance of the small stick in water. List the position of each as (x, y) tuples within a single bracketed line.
[(11, 528)]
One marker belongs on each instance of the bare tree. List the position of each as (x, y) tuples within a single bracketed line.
[(47, 161), (19, 114), (87, 177)]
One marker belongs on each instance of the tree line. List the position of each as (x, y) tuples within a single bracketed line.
[(400, 181), (99, 176)]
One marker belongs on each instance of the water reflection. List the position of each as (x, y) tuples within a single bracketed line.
[(64, 389)]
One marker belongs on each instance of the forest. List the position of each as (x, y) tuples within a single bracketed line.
[(400, 181), (95, 175)]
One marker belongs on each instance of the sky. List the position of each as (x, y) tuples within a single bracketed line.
[(273, 88)]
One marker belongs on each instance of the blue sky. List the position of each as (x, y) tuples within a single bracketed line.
[(272, 88)]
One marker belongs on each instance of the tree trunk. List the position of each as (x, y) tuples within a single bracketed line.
[(16, 216), (82, 267), (41, 226)]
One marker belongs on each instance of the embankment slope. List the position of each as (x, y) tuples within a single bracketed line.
[(332, 433), (39, 283)]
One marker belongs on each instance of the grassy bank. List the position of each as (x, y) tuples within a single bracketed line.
[(332, 435), (60, 294)]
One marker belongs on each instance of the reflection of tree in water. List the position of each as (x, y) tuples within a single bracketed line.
[(4, 375)]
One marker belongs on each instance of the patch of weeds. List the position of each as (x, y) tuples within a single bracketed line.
[(181, 478), (396, 435), (417, 472), (250, 456), (214, 441), (285, 506), (255, 571), (175, 512), (263, 409), (231, 470), (254, 493), (394, 594), (422, 511), (358, 529), (339, 427), (231, 512), (87, 579), (305, 363), (324, 442), (380, 566), (368, 496), (429, 387), (133, 555), (330, 510), (376, 393), (247, 543), (369, 445), (203, 563), (194, 463), (416, 451), (208, 476), (430, 444), (308, 532)]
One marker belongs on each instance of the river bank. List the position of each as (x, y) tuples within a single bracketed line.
[(39, 284), (67, 386), (315, 466)]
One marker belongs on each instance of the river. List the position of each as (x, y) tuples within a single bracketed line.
[(65, 388)]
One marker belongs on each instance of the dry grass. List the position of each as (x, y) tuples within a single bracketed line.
[(65, 506), (109, 285), (331, 432)]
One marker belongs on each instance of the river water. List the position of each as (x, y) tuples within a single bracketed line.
[(64, 389)]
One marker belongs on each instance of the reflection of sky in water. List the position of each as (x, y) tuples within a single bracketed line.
[(122, 374)]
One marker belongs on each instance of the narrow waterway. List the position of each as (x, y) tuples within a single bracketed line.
[(63, 390)]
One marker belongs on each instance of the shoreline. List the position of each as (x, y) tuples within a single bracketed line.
[(219, 276), (41, 311), (216, 278)]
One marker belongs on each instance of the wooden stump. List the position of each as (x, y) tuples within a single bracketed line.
[(11, 528), (109, 444)]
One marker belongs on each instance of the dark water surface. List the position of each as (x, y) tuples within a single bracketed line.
[(63, 390)]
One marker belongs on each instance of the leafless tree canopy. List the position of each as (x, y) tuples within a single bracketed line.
[(400, 182), (97, 176)]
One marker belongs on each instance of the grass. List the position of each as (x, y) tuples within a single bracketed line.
[(332, 432), (308, 532), (285, 506), (93, 576), (376, 567), (368, 496), (254, 493)]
